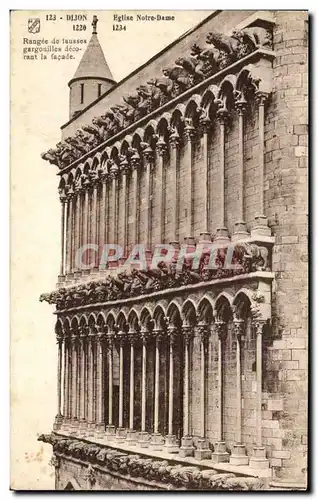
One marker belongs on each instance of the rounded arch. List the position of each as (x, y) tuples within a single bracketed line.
[(223, 306), (189, 312)]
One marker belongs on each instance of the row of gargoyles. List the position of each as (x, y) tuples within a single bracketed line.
[(246, 257), (174, 476), (201, 63)]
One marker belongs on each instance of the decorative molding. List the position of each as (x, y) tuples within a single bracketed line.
[(175, 476), (248, 258), (219, 52)]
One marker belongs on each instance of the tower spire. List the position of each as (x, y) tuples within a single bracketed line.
[(94, 24)]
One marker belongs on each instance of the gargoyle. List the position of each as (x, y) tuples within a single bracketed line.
[(190, 64), (133, 100), (165, 86), (207, 60), (181, 78), (228, 47), (51, 156)]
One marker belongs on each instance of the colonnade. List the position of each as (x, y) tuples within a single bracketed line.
[(85, 384), (94, 202)]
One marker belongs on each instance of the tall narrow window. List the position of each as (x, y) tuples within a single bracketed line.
[(99, 90), (82, 93)]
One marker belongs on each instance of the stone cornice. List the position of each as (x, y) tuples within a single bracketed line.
[(129, 464), (258, 275), (232, 68)]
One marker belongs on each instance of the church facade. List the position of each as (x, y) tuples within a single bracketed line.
[(181, 303)]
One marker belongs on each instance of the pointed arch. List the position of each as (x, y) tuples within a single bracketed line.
[(205, 311), (223, 306), (189, 312)]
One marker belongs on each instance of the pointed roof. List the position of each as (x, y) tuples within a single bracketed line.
[(93, 63)]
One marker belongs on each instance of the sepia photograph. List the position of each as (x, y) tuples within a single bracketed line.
[(159, 301)]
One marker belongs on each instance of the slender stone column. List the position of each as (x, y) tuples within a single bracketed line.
[(124, 168), (143, 435), (203, 450), (131, 433), (222, 232), (259, 460), (174, 141), (261, 227), (100, 381), (83, 393), (135, 165), (188, 160), (205, 123), (73, 225), (238, 456), (110, 428), (157, 440), (86, 220), (240, 231), (78, 380), (114, 176), (171, 440), (94, 224), (74, 341), (159, 187), (121, 431), (58, 418), (220, 454), (62, 264), (102, 211), (77, 216), (69, 264), (187, 448), (148, 157)]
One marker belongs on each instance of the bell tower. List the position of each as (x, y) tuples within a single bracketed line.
[(92, 77)]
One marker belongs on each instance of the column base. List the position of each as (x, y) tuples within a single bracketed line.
[(157, 441), (175, 244), (171, 445), (100, 430), (238, 455), (222, 235), (144, 438), (240, 232), (186, 448), (61, 278), (121, 434), (58, 422), (110, 432), (90, 429), (132, 437), (220, 454), (260, 227), (66, 424), (202, 451), (259, 460)]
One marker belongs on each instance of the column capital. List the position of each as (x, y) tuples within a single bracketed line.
[(204, 120), (62, 196), (240, 103), (158, 334), (132, 337), (124, 164), (161, 147), (113, 170), (203, 332), (189, 129), (121, 338), (222, 115), (239, 328), (174, 137), (261, 97), (148, 154), (259, 324), (145, 336), (59, 340), (188, 333)]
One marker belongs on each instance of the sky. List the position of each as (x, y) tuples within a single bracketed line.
[(39, 106)]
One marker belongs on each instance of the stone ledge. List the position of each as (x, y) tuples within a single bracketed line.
[(177, 474), (258, 275)]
